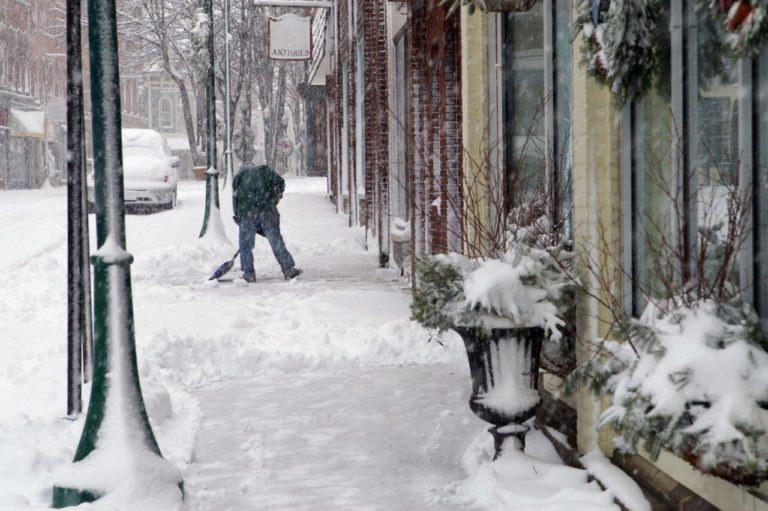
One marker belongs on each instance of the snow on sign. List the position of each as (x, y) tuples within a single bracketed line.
[(289, 37)]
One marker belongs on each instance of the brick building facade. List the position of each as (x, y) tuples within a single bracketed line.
[(434, 144), (367, 180), (33, 72), (32, 90)]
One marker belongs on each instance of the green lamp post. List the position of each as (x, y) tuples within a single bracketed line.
[(212, 176), (117, 446)]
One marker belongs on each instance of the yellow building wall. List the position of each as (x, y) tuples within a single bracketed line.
[(475, 120), (598, 211), (596, 219)]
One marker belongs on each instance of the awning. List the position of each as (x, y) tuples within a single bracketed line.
[(27, 123)]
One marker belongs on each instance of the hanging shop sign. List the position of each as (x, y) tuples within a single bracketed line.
[(290, 37)]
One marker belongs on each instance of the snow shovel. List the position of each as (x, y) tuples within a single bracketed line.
[(224, 268)]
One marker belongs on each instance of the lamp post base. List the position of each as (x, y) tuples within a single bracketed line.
[(68, 497)]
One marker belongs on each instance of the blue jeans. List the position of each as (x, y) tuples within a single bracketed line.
[(267, 222)]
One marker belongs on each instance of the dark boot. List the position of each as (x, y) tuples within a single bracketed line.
[(293, 273)]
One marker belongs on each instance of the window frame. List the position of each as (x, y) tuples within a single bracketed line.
[(161, 121)]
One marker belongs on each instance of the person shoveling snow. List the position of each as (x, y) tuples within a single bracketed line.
[(256, 192)]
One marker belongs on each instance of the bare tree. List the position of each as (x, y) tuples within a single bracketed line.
[(162, 31)]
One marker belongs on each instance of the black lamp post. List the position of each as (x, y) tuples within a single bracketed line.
[(79, 331), (212, 176), (117, 442)]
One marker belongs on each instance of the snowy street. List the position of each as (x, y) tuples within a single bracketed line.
[(318, 393)]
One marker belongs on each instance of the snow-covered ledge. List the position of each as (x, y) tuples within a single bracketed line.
[(719, 492)]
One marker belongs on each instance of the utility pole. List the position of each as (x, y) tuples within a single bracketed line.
[(116, 427), (212, 177)]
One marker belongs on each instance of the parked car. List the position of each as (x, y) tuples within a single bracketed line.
[(149, 171)]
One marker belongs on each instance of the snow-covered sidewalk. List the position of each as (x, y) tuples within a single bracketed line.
[(363, 438), (318, 393)]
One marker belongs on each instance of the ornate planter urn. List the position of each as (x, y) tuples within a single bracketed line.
[(504, 366)]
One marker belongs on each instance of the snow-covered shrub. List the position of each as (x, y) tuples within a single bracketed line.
[(620, 49), (693, 381), (524, 287), (690, 373)]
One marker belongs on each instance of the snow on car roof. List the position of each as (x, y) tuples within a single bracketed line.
[(142, 137)]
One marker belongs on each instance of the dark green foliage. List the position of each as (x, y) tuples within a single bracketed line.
[(440, 288), (622, 51)]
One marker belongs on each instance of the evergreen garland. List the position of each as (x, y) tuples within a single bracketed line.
[(621, 50), (488, 5), (744, 35)]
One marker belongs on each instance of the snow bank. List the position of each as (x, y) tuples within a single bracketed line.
[(534, 480), (36, 448), (181, 264), (624, 488), (255, 349), (215, 235)]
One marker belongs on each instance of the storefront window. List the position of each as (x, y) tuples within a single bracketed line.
[(401, 186), (537, 106), (525, 99), (562, 109), (760, 193), (684, 161), (653, 185), (713, 101)]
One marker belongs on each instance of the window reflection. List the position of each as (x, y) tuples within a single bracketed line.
[(677, 199), (760, 194), (713, 98), (563, 156), (653, 183)]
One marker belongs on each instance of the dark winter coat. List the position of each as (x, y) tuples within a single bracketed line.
[(256, 189)]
